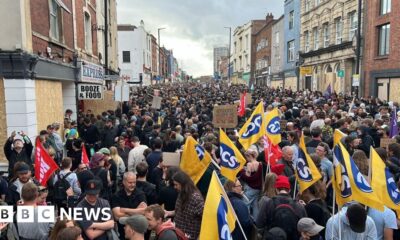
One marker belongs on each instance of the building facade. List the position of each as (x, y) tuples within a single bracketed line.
[(381, 66), (328, 37), (154, 59), (291, 43), (261, 47), (135, 54), (242, 52), (219, 53), (50, 58), (277, 52)]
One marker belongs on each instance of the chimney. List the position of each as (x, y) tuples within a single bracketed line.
[(269, 18)]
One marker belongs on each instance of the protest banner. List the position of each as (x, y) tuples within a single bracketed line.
[(225, 116)]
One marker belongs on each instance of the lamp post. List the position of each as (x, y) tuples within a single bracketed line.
[(159, 52), (229, 54)]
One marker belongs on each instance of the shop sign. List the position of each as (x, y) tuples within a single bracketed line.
[(90, 92), (92, 73)]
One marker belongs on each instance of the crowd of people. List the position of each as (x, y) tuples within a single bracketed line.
[(151, 200)]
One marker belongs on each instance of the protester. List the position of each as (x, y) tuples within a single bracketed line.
[(164, 230), (135, 227), (17, 150), (70, 233), (309, 230), (136, 154)]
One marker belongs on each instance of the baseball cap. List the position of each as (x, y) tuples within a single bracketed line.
[(357, 217), (22, 168), (93, 187), (105, 151), (308, 225), (137, 222)]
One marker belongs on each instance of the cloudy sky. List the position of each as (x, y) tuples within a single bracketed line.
[(194, 27)]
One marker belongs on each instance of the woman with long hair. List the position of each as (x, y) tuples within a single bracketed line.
[(119, 162), (168, 194), (189, 205), (60, 225)]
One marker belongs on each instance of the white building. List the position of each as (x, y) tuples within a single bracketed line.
[(219, 54), (135, 58), (242, 54)]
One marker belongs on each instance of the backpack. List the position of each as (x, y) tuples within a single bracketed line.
[(284, 216), (179, 233), (325, 213), (61, 187)]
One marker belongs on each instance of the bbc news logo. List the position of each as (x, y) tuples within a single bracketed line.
[(47, 214)]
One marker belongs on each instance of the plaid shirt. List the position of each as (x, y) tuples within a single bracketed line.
[(188, 219)]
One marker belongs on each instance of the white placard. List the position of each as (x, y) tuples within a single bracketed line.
[(90, 91)]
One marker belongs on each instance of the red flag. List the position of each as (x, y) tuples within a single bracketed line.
[(84, 158), (242, 105), (44, 164), (272, 152)]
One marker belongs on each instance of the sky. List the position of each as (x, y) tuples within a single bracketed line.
[(194, 27)]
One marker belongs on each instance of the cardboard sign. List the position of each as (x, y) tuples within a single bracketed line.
[(249, 99), (171, 159), (90, 91), (156, 104), (385, 142), (283, 124), (225, 116)]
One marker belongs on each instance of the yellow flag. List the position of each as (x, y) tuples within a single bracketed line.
[(273, 124), (232, 160), (382, 180), (194, 160), (218, 215), (337, 136), (350, 184), (254, 128), (306, 171)]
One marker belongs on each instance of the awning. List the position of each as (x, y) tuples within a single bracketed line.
[(62, 5)]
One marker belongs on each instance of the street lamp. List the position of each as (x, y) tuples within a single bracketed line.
[(159, 52), (229, 54)]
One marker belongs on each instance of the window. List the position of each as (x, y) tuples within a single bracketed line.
[(290, 52), (247, 42), (326, 34), (386, 6), (55, 19), (291, 20), (353, 25), (316, 38), (306, 42), (240, 44), (88, 33), (339, 28), (317, 2), (384, 40), (277, 37), (234, 46), (126, 56), (307, 5)]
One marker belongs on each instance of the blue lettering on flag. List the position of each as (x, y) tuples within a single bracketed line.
[(228, 158), (254, 127)]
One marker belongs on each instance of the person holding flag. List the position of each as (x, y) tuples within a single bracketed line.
[(219, 218), (254, 128), (232, 160)]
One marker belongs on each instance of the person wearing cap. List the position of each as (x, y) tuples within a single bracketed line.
[(354, 224), (97, 166), (17, 149), (95, 227), (265, 219), (129, 200), (109, 134), (23, 175), (135, 227), (309, 230), (111, 166)]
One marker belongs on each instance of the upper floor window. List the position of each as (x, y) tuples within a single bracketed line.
[(126, 56), (307, 5), (291, 20), (316, 38), (290, 53), (384, 40), (385, 7), (55, 20), (326, 35), (88, 32), (353, 24), (339, 29), (307, 41), (277, 37), (247, 42)]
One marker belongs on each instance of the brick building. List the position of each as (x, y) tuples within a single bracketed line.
[(154, 58), (381, 66), (48, 49), (261, 48)]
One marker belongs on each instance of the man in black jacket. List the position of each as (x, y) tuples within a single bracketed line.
[(18, 150), (23, 174)]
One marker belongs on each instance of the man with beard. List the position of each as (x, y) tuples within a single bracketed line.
[(18, 150), (23, 175)]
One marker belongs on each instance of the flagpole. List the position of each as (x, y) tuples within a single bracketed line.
[(333, 206), (230, 205), (294, 190)]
